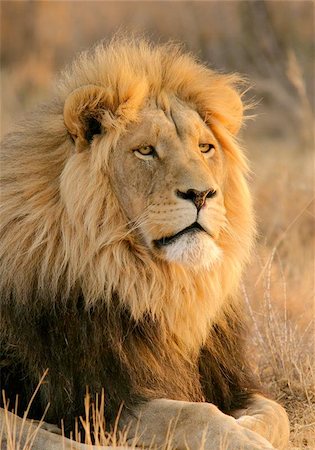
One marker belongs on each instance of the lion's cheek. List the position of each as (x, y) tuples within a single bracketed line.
[(130, 187), (131, 204)]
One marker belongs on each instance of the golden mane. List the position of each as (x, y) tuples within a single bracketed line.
[(46, 247)]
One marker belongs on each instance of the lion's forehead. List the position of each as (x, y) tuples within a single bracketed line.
[(175, 124)]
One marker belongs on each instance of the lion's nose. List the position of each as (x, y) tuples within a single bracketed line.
[(197, 197)]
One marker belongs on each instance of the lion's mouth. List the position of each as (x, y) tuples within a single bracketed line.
[(167, 240)]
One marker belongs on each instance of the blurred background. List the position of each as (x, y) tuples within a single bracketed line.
[(272, 44)]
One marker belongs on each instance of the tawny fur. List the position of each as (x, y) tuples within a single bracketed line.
[(91, 243), (74, 274)]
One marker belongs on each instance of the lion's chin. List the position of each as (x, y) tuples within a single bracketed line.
[(196, 250)]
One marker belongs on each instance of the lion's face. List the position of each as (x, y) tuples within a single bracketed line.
[(154, 186), (167, 173)]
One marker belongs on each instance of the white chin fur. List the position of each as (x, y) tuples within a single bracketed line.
[(197, 250)]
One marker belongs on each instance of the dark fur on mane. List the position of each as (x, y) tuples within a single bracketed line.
[(131, 361)]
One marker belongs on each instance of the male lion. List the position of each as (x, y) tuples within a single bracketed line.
[(126, 222)]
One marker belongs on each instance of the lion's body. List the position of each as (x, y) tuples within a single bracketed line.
[(89, 288)]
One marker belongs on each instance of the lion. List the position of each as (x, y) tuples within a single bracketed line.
[(126, 224)]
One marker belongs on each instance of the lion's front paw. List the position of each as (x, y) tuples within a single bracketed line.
[(249, 440), (237, 437), (250, 422), (276, 429)]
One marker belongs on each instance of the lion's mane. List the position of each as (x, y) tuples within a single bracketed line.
[(59, 261)]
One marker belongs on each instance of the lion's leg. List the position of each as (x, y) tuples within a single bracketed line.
[(14, 431), (189, 426), (267, 418)]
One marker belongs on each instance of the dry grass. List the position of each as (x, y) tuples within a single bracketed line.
[(10, 423), (283, 345), (263, 41), (279, 286)]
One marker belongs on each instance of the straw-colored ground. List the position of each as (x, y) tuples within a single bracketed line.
[(278, 286)]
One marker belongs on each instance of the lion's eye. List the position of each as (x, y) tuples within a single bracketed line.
[(145, 152), (209, 149)]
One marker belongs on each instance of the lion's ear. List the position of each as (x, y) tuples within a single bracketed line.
[(82, 113)]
